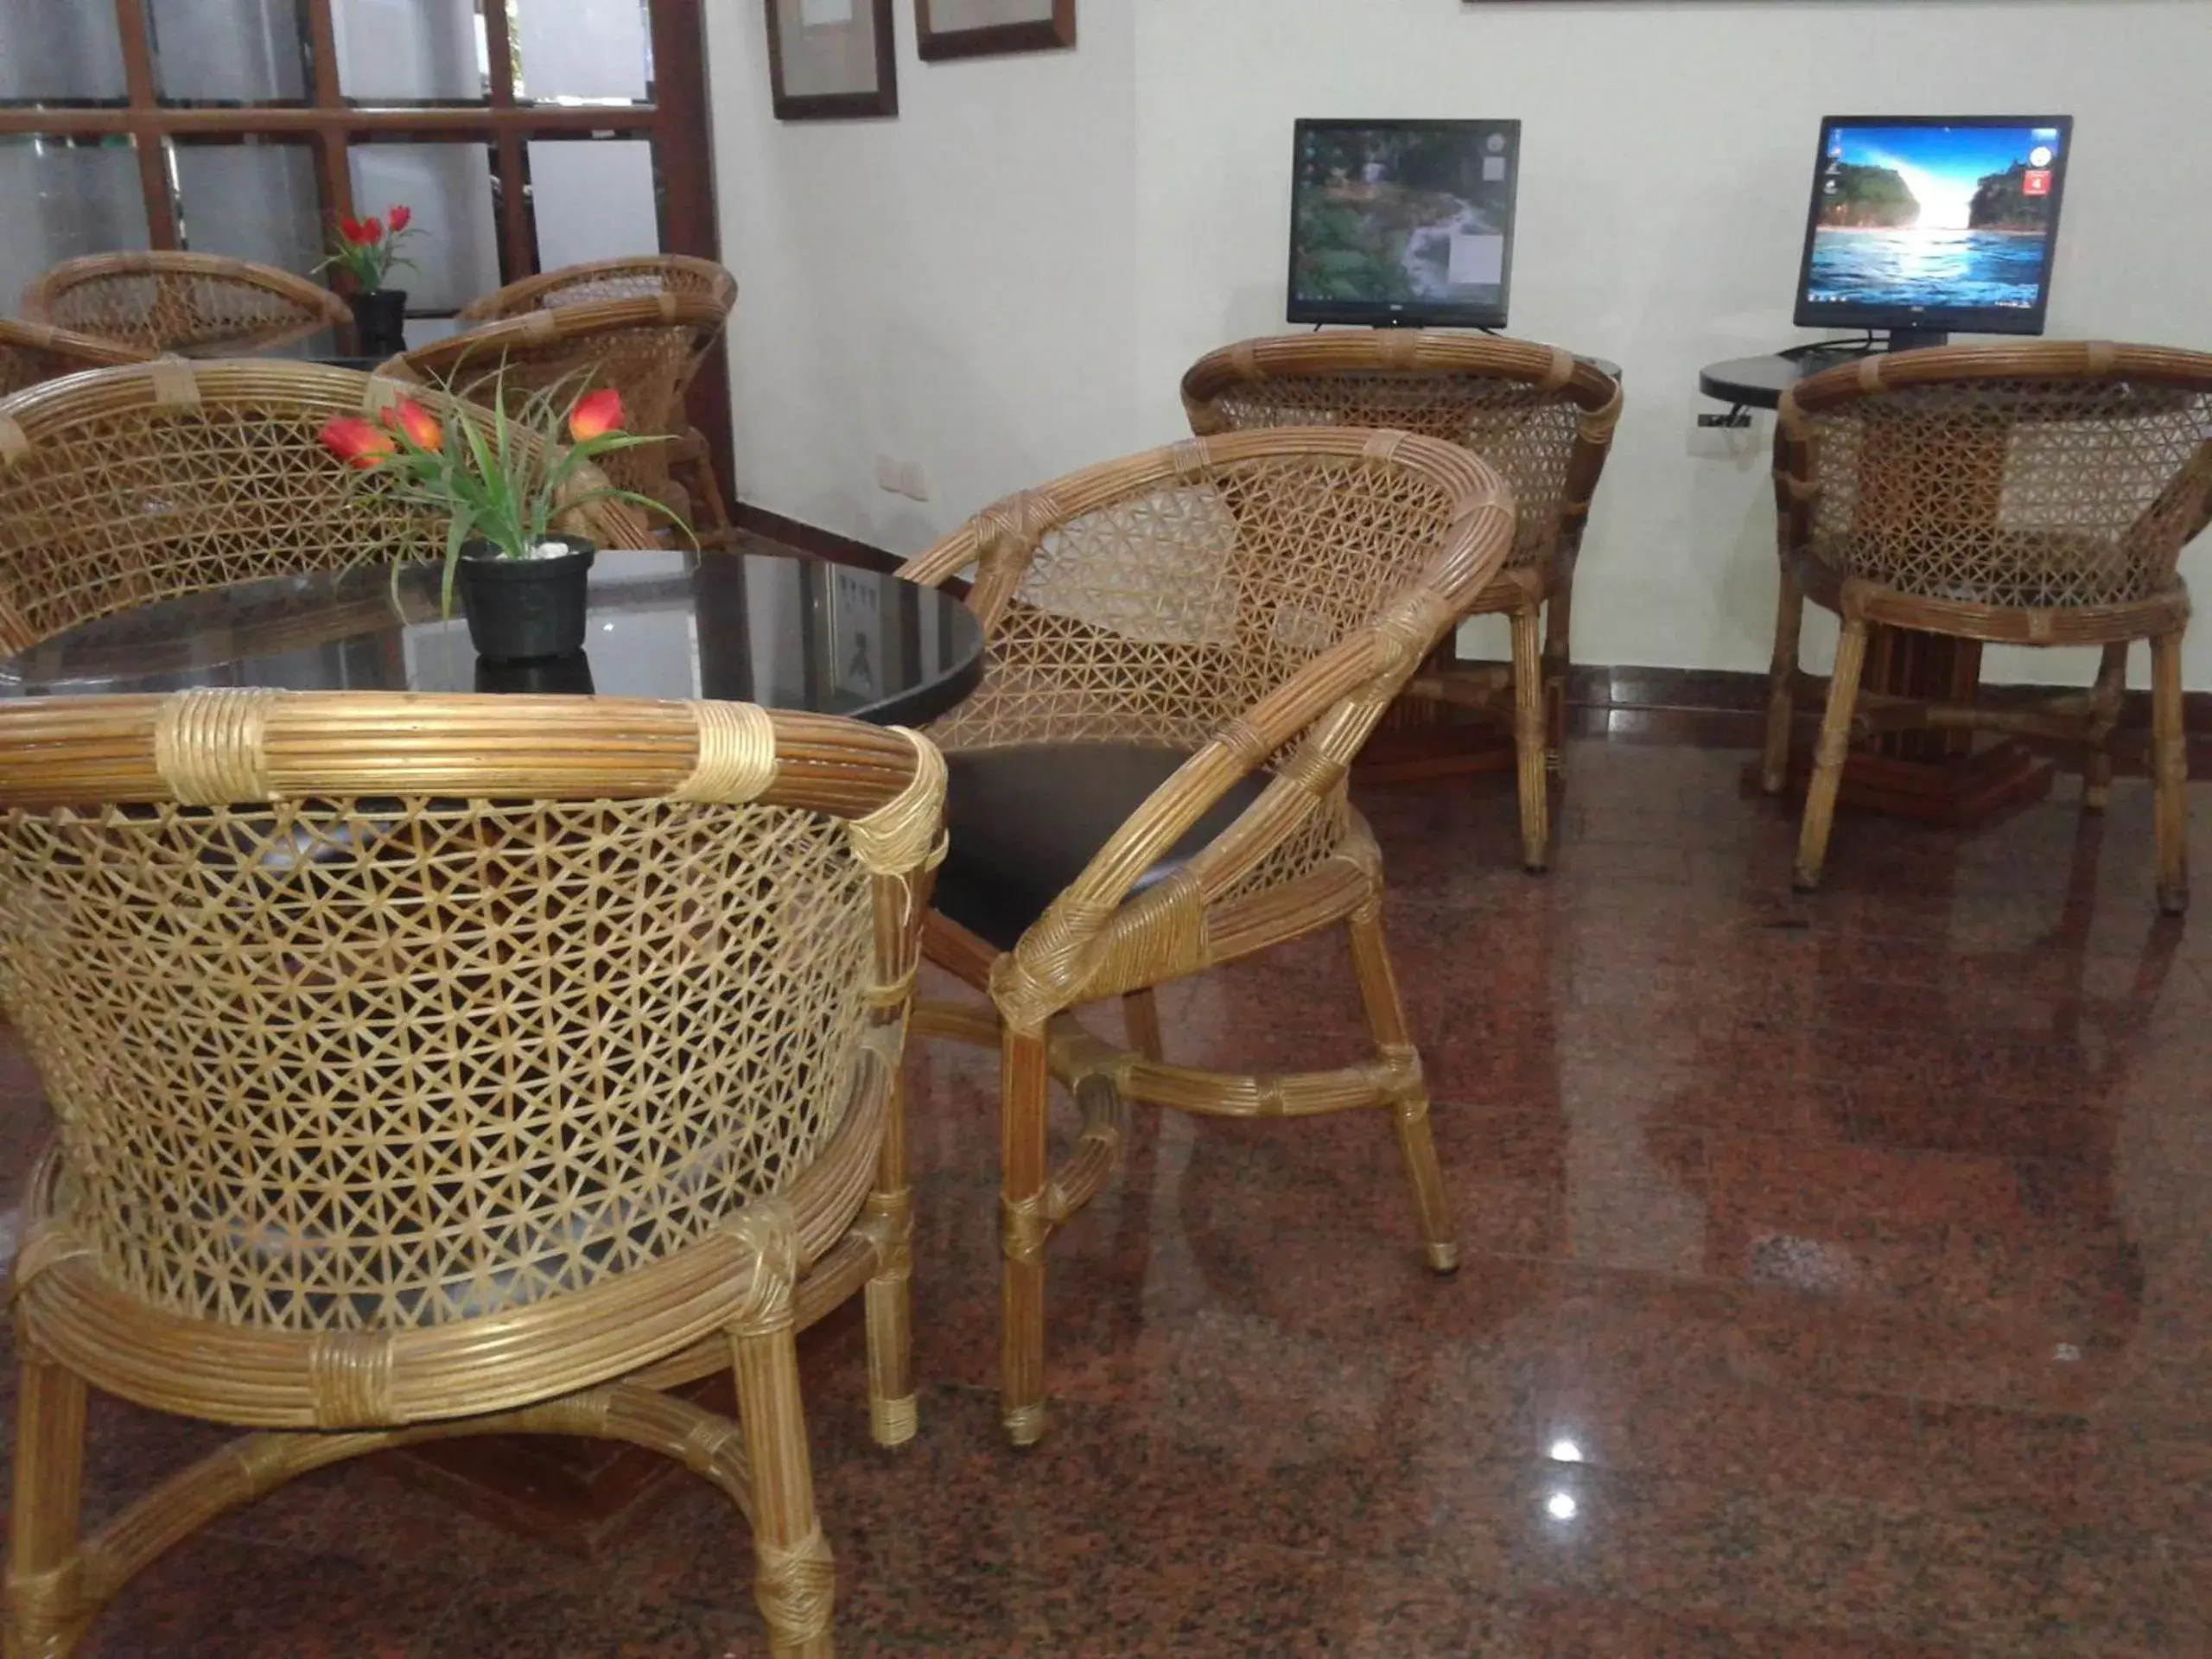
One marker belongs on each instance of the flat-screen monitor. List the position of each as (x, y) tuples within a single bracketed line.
[(1934, 223), (1403, 223)]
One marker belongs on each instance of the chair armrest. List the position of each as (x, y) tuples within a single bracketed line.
[(999, 542)]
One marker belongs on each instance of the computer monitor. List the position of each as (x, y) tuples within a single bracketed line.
[(1921, 225), (1403, 223)]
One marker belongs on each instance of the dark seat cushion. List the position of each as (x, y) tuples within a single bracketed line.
[(1023, 822)]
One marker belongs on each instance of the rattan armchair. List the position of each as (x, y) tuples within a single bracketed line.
[(198, 304), (643, 277), (435, 1066), (1541, 417), (130, 485), (1186, 650), (32, 352), (2031, 495), (646, 349)]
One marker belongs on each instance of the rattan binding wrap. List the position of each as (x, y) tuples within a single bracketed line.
[(199, 304), (128, 484), (427, 1064), (32, 352), (647, 348), (2032, 494), (642, 277), (1257, 599), (1543, 417)]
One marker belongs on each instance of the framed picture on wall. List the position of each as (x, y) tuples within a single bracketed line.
[(832, 59), (975, 29), (859, 654)]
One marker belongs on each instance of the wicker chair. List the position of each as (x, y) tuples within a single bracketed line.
[(198, 304), (31, 351), (2036, 494), (434, 1066), (647, 348), (1543, 418), (643, 277), (129, 485), (1187, 649)]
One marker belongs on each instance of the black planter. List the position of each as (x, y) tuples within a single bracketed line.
[(525, 610), (380, 322), (569, 675)]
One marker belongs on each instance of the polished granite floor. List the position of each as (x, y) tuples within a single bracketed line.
[(1835, 1284)]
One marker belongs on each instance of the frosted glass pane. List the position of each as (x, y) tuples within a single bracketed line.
[(65, 201), (594, 50), (227, 51), (250, 202), (58, 51), (410, 51), (449, 189), (593, 198)]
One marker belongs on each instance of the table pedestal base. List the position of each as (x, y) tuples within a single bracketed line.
[(572, 1494), (1960, 793)]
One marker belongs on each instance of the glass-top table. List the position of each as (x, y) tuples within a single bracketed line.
[(788, 633)]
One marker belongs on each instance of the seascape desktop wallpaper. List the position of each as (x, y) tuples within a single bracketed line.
[(1934, 216)]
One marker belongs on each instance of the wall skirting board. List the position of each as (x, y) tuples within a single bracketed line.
[(1641, 691)]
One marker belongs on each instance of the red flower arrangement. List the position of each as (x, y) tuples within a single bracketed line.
[(368, 248)]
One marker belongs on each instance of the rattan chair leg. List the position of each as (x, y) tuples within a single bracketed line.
[(1141, 1023), (2170, 773), (796, 1579), (1024, 1083), (1528, 739), (2104, 715), (1830, 753), (1386, 1023), (890, 1290), (1788, 622), (46, 1590), (710, 521), (1559, 670)]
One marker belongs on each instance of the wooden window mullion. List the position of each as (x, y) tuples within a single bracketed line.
[(332, 176), (509, 163), (145, 125)]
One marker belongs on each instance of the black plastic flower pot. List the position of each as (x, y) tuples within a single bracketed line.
[(380, 322), (525, 610)]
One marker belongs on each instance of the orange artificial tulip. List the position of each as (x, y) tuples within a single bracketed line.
[(372, 230), (355, 441), (416, 423), (596, 415), (399, 214)]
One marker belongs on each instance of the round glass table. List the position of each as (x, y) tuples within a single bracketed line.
[(788, 633)]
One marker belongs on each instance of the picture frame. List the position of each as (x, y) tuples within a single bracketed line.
[(978, 29), (832, 59)]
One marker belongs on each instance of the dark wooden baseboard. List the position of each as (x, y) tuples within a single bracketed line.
[(1640, 690)]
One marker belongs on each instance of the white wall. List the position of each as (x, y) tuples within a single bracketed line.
[(1010, 278), (956, 287)]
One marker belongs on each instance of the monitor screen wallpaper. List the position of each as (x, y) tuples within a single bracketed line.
[(1926, 220), (1403, 221)]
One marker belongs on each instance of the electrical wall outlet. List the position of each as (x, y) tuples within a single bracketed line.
[(888, 474), (914, 481)]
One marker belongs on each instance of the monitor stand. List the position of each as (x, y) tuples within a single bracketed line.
[(1915, 339)]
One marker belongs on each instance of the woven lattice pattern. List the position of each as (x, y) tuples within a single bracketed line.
[(2015, 492), (1166, 614), (645, 349), (196, 304), (403, 1062), (30, 352), (644, 277), (1526, 432), (143, 483)]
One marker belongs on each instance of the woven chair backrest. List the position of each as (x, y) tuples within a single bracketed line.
[(1168, 593), (360, 1011), (1541, 417), (32, 352), (130, 485), (198, 304), (646, 349), (641, 278), (2046, 476)]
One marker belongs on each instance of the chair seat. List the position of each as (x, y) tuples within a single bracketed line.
[(1023, 822)]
